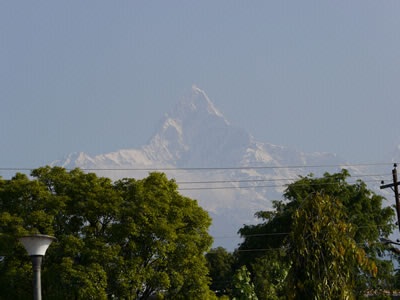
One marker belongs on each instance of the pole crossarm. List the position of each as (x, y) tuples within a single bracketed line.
[(395, 188), (390, 185)]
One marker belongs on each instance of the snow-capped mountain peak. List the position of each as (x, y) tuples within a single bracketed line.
[(194, 105), (196, 121), (196, 135), (200, 100)]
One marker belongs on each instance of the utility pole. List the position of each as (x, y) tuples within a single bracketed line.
[(395, 188)]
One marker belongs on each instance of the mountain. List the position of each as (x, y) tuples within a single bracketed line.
[(229, 172)]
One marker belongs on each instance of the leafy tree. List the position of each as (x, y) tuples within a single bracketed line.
[(125, 240), (220, 264), (269, 275), (323, 252), (362, 210), (165, 236), (243, 288)]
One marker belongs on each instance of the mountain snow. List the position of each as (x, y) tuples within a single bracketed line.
[(229, 172)]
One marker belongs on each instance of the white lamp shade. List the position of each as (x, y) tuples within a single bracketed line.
[(36, 244)]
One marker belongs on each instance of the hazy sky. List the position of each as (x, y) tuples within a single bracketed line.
[(98, 76)]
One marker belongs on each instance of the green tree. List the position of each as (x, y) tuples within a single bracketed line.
[(243, 288), (362, 209), (165, 237), (269, 275), (323, 252), (125, 240), (220, 265)]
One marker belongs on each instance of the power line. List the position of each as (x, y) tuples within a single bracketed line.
[(262, 186), (233, 181), (288, 180), (287, 233), (213, 168), (238, 167), (251, 235), (264, 180), (283, 248)]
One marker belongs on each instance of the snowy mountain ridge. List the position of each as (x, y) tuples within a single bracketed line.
[(230, 173)]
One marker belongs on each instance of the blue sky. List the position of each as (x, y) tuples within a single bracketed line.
[(97, 76)]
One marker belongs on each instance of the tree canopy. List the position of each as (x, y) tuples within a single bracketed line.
[(124, 240), (323, 252), (322, 224), (220, 264), (134, 239)]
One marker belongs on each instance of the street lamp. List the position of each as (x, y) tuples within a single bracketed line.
[(36, 246)]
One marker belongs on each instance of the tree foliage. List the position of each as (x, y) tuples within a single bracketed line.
[(321, 206), (269, 275), (127, 240), (323, 252), (243, 288), (220, 264)]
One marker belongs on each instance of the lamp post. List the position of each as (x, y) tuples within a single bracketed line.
[(36, 246)]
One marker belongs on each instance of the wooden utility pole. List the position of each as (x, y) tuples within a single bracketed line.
[(395, 188)]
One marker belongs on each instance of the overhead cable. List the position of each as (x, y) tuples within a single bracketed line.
[(347, 165)]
